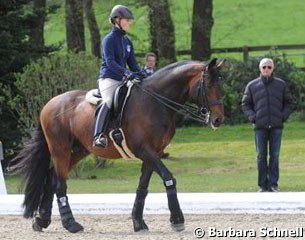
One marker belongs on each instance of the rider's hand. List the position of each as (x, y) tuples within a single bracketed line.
[(147, 71), (129, 75)]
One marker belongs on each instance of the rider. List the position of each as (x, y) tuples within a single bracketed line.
[(117, 51)]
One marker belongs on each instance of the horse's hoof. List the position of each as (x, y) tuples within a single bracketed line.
[(139, 226), (36, 227), (38, 224), (178, 227), (73, 227)]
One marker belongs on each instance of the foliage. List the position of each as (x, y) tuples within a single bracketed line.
[(46, 78), (16, 51)]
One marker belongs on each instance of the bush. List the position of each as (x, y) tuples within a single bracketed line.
[(46, 78)]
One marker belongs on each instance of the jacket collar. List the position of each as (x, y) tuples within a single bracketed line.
[(118, 31), (267, 80)]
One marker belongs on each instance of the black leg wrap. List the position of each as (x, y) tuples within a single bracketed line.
[(66, 215), (137, 211), (43, 217), (176, 218)]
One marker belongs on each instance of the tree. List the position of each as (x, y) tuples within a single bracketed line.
[(37, 29), (201, 29), (162, 31), (75, 29), (16, 51), (93, 28)]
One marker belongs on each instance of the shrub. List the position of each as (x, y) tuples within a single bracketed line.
[(46, 78)]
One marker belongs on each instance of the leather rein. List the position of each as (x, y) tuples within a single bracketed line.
[(201, 113)]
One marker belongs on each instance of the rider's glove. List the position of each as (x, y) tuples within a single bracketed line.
[(129, 75)]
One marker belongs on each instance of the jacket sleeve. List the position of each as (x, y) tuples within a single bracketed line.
[(289, 103), (109, 57), (248, 105), (131, 61)]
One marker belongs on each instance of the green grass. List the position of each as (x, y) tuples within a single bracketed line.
[(202, 160), (236, 23)]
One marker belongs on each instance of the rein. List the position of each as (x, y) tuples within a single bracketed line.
[(200, 114)]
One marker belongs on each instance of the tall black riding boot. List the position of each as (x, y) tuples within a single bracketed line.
[(102, 116)]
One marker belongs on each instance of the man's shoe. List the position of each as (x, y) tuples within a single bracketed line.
[(274, 189), (100, 141), (260, 189)]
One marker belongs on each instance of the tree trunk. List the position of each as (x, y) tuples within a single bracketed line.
[(201, 29), (75, 32), (152, 31), (36, 37), (94, 30), (162, 31)]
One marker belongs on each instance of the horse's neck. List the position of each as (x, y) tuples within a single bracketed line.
[(174, 88)]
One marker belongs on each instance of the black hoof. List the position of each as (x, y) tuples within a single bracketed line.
[(177, 222), (178, 227), (139, 225), (72, 226), (38, 224)]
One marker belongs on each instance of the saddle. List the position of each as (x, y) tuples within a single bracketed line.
[(120, 99)]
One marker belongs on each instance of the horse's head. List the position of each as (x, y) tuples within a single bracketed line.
[(205, 91)]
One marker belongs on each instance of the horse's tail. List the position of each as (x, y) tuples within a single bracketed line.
[(33, 163)]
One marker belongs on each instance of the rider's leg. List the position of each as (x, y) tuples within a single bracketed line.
[(107, 89)]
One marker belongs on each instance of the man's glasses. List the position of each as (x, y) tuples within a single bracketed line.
[(269, 67)]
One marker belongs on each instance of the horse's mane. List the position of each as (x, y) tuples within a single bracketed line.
[(169, 69)]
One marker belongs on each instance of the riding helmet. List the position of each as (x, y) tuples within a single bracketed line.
[(120, 11)]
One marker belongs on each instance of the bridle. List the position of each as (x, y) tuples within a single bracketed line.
[(204, 103), (201, 113)]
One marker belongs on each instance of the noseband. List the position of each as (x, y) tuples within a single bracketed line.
[(204, 103)]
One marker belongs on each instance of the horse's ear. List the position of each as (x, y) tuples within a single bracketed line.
[(211, 64), (222, 63)]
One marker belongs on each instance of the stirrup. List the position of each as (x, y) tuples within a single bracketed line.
[(100, 141)]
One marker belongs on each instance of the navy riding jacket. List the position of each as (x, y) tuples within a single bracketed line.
[(117, 52)]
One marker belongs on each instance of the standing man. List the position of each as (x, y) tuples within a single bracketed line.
[(267, 103)]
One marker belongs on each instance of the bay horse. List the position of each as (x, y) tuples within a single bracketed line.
[(64, 136)]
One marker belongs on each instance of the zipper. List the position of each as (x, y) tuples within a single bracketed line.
[(268, 102)]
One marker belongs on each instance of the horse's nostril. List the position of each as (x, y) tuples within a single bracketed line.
[(217, 121)]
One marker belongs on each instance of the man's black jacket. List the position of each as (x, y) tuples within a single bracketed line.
[(267, 102)]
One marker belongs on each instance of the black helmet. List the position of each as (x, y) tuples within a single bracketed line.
[(121, 11)]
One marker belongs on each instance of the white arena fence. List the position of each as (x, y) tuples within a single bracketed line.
[(191, 203)]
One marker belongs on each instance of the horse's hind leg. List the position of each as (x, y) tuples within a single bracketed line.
[(67, 219), (43, 217), (137, 211)]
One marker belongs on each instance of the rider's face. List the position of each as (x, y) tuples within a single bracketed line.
[(125, 24)]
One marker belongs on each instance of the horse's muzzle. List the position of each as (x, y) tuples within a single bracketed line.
[(216, 121)]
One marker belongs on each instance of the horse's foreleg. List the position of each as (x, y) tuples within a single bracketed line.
[(67, 219), (43, 217), (138, 207), (176, 218)]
